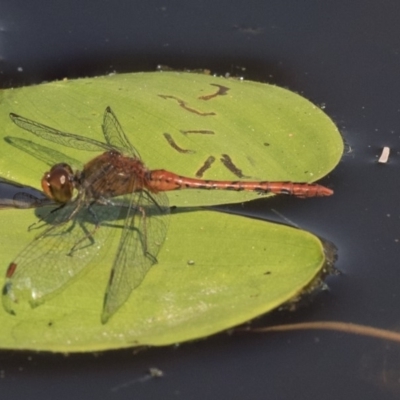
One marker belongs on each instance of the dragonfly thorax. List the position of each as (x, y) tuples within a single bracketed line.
[(58, 184)]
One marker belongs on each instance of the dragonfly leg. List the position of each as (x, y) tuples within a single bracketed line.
[(30, 227), (88, 234)]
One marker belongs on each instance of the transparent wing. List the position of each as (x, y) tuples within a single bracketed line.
[(143, 234), (115, 136), (42, 153), (56, 136), (56, 256)]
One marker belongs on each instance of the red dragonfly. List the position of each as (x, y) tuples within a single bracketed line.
[(116, 184)]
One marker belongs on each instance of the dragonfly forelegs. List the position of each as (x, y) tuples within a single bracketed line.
[(48, 214), (88, 234)]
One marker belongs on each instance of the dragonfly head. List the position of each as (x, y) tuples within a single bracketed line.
[(58, 184)]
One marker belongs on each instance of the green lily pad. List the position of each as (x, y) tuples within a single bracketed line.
[(183, 122), (214, 270)]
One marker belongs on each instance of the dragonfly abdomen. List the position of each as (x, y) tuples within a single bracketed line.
[(161, 180)]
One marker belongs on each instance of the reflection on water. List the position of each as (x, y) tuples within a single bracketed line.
[(16, 195)]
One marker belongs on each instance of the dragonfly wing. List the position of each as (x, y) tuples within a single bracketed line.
[(55, 257), (56, 136), (42, 153), (114, 134), (143, 234)]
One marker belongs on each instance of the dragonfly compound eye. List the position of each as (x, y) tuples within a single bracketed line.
[(58, 183)]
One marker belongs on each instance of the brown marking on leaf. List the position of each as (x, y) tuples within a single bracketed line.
[(184, 105), (173, 144), (222, 91), (201, 131), (207, 165), (228, 163)]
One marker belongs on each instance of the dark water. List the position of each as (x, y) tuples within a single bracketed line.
[(345, 55)]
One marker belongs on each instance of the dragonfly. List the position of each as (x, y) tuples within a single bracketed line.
[(115, 185)]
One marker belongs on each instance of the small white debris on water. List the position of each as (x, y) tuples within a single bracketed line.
[(383, 159), (156, 372)]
